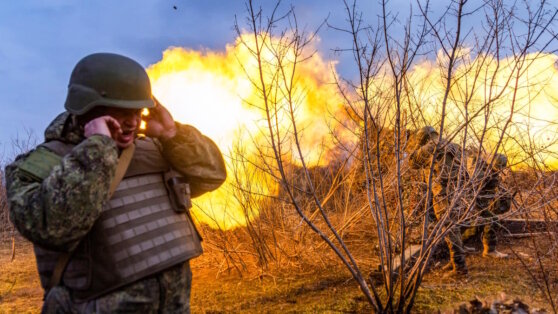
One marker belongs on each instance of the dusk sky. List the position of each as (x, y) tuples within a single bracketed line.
[(43, 40)]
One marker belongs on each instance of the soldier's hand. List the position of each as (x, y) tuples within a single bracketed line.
[(104, 125), (159, 122)]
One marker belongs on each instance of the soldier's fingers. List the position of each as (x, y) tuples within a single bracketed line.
[(158, 105), (155, 110), (159, 108), (153, 113), (113, 124), (156, 101)]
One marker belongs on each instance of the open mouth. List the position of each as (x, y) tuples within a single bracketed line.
[(127, 135)]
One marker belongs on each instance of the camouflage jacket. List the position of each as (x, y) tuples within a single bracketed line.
[(58, 211), (485, 177), (447, 166), (487, 183)]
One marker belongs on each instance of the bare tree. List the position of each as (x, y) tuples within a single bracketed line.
[(468, 60), (277, 57), (472, 100), (20, 145)]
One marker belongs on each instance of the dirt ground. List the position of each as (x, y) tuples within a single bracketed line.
[(328, 289)]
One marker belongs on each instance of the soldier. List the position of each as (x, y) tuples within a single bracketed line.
[(107, 211), (490, 201), (445, 177)]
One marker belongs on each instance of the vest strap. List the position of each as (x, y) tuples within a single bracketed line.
[(123, 163)]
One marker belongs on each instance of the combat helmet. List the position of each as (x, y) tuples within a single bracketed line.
[(425, 134), (107, 79), (500, 161)]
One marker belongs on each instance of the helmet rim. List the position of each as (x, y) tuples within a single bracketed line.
[(96, 100)]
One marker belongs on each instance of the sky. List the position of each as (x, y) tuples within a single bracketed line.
[(41, 41)]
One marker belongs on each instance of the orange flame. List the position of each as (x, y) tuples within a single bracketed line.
[(144, 113), (530, 138), (211, 90)]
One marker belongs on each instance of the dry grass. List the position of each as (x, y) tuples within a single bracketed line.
[(488, 280), (323, 287), (281, 266), (20, 289)]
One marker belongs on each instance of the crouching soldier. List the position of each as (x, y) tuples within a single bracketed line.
[(445, 177), (107, 211), (492, 199)]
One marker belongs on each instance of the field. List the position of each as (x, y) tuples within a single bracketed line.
[(276, 264), (322, 288)]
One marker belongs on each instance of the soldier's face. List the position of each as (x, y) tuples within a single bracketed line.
[(130, 120)]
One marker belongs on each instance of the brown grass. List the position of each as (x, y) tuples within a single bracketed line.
[(323, 287), (20, 289)]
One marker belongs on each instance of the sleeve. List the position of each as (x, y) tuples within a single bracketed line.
[(59, 210), (197, 158)]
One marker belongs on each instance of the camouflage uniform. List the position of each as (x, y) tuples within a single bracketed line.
[(60, 210), (167, 292), (445, 177), (490, 200)]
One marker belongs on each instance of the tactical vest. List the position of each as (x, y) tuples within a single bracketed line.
[(142, 230)]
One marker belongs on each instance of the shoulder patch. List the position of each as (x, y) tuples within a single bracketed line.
[(39, 163)]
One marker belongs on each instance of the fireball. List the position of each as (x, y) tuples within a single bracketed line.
[(213, 92)]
